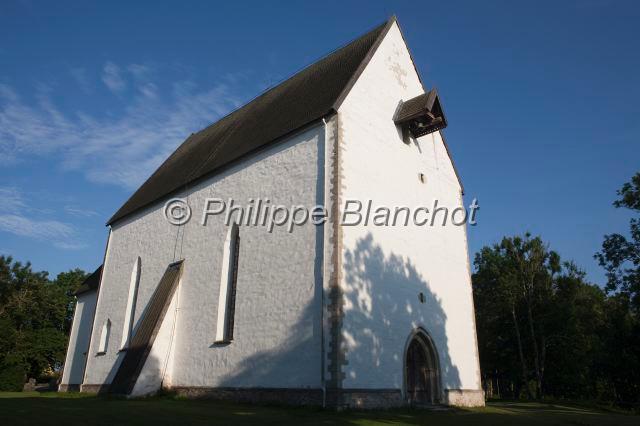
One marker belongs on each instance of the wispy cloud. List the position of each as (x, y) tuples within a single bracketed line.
[(112, 77), (11, 200), (80, 212), (139, 71), (16, 219), (69, 246), (121, 149), (40, 229), (149, 90), (81, 77)]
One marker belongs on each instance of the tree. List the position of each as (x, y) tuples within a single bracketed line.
[(66, 284), (621, 256), (35, 315), (619, 362), (497, 301), (577, 319), (533, 266), (538, 320)]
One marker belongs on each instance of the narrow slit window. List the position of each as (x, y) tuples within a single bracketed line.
[(131, 304), (228, 283), (104, 337)]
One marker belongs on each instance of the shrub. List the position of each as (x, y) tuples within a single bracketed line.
[(12, 375)]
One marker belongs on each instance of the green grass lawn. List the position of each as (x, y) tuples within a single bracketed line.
[(76, 409)]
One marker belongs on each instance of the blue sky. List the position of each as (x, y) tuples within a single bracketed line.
[(541, 99)]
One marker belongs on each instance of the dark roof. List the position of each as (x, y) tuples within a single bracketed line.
[(91, 283), (145, 335), (309, 95)]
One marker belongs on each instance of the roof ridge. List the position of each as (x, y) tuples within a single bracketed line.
[(365, 61), (305, 96), (383, 27), (303, 68)]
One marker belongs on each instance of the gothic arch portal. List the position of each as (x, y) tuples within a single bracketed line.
[(421, 370)]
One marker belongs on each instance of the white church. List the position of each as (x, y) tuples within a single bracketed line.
[(329, 315)]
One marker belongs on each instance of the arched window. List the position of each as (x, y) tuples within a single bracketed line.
[(104, 337), (131, 304), (228, 281)]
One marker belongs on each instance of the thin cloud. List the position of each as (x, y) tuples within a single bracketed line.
[(11, 200), (122, 149), (70, 246), (112, 77), (15, 219), (141, 72), (39, 229), (149, 90), (79, 212), (81, 77)]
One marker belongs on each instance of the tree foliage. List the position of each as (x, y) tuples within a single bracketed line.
[(544, 331), (35, 319), (620, 256)]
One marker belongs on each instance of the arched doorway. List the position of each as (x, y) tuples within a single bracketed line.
[(422, 373)]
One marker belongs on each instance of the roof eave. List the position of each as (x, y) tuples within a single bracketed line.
[(116, 217)]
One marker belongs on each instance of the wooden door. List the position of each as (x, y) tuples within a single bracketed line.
[(421, 373)]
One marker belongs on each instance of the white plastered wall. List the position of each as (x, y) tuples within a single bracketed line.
[(79, 339), (277, 316), (385, 268)]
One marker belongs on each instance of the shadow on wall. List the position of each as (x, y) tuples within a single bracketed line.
[(150, 377), (382, 307), (293, 363)]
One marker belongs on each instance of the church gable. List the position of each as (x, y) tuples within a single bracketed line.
[(389, 87), (395, 280)]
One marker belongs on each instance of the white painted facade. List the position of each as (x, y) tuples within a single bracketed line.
[(385, 268), (77, 350), (277, 318), (282, 328)]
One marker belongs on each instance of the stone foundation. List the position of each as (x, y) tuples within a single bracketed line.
[(464, 397), (254, 395), (367, 399), (339, 399), (335, 398), (68, 388), (94, 388)]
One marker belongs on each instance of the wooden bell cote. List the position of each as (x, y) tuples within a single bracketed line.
[(421, 115)]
